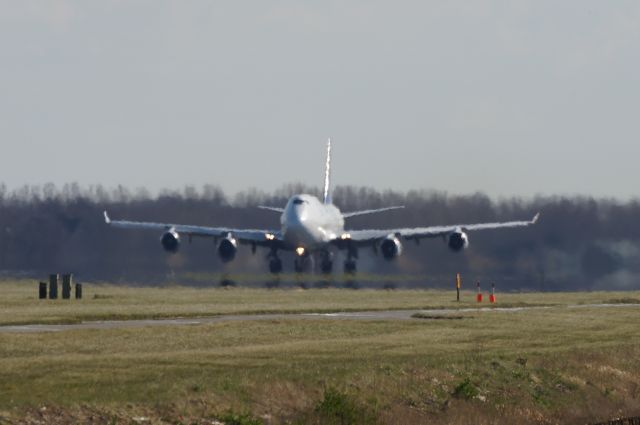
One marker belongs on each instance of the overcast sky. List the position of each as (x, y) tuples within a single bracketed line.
[(506, 97)]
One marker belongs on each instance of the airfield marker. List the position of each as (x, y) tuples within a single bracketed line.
[(67, 280), (492, 297), (479, 295), (458, 283), (53, 286)]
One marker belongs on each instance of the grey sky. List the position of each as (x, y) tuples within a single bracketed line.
[(507, 97)]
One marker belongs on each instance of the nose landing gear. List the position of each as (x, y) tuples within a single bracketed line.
[(303, 264)]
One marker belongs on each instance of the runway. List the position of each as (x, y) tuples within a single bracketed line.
[(362, 315)]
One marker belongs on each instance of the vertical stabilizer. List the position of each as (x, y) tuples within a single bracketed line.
[(327, 175)]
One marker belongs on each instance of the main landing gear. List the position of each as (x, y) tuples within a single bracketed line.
[(305, 262), (350, 266), (275, 263), (326, 262)]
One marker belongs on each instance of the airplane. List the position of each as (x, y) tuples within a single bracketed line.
[(310, 227)]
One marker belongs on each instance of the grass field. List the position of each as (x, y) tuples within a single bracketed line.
[(554, 365), (19, 303)]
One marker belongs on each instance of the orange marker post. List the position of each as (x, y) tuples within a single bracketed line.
[(492, 297), (479, 295), (458, 284)]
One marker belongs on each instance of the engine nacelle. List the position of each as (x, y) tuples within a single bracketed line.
[(391, 247), (227, 248), (458, 241), (170, 241)]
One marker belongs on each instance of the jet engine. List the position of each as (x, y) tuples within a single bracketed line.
[(170, 241), (458, 241), (391, 247), (227, 248)]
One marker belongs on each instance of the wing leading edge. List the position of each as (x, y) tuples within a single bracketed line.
[(374, 211), (256, 236), (373, 235)]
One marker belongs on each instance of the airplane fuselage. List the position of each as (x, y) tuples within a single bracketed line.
[(308, 223)]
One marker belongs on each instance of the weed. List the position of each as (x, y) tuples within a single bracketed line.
[(541, 396), (337, 407), (465, 390), (231, 418)]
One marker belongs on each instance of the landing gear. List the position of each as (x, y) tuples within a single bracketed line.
[(350, 266), (350, 263), (275, 265), (326, 266), (297, 265), (303, 264), (326, 263)]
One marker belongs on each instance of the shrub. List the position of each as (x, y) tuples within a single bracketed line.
[(465, 390), (339, 408)]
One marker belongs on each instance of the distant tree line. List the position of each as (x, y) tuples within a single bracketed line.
[(579, 243)]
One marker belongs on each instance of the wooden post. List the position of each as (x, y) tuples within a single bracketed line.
[(78, 291), (66, 286), (42, 294), (53, 286), (458, 283)]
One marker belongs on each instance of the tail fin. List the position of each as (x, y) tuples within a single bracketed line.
[(327, 175)]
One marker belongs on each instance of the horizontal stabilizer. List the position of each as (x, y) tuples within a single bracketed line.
[(363, 212)]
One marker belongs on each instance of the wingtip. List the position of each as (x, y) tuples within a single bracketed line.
[(106, 218), (535, 218)]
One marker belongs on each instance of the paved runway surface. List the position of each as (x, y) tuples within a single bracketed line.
[(363, 315)]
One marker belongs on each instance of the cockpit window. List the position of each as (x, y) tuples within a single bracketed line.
[(298, 201)]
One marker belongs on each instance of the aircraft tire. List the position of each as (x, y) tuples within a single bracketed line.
[(326, 266), (350, 267)]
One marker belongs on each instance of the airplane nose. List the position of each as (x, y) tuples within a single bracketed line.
[(299, 213)]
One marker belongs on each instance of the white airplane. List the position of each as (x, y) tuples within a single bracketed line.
[(311, 227)]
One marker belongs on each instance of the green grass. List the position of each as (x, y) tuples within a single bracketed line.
[(553, 365)]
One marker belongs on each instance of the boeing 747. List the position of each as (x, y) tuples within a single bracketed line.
[(310, 227)]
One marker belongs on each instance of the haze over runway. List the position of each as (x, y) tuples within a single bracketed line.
[(510, 98)]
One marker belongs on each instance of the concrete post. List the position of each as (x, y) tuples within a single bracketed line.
[(53, 286)]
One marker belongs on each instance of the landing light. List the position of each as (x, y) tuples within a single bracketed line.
[(345, 236), (270, 236), (300, 251)]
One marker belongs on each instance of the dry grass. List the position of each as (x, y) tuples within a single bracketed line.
[(19, 303), (554, 365)]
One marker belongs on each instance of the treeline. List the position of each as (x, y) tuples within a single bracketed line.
[(579, 243)]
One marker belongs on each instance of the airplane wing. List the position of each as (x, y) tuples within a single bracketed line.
[(363, 212), (256, 236), (274, 209), (364, 237)]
